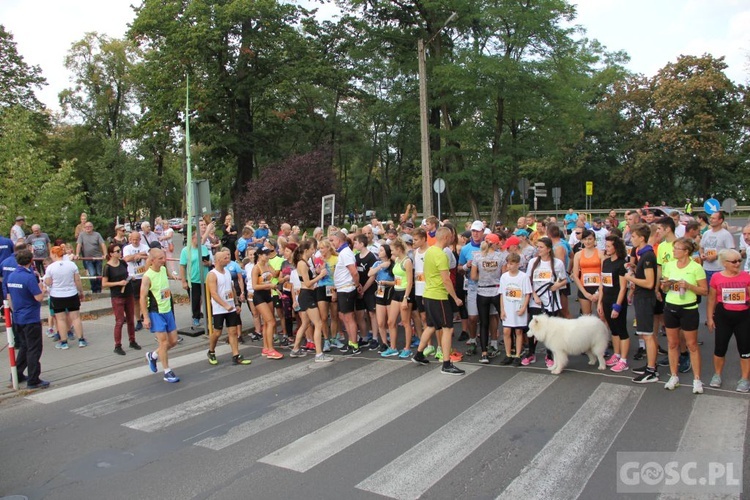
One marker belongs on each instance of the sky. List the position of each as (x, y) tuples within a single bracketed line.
[(652, 32)]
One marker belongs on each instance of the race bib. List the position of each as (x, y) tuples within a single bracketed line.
[(380, 292), (398, 281), (607, 280), (165, 294), (419, 277), (591, 279), (140, 269), (329, 291), (227, 296), (710, 253), (734, 296), (513, 294), (543, 276)]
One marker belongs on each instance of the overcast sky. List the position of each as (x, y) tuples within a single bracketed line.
[(652, 32)]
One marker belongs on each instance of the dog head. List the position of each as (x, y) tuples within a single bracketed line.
[(538, 327)]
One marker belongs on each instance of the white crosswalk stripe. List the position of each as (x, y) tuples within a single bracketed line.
[(566, 463), (415, 471), (323, 443)]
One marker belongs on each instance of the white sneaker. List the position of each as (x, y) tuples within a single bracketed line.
[(323, 358), (697, 387), (673, 383)]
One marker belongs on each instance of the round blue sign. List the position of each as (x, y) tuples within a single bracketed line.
[(711, 205)]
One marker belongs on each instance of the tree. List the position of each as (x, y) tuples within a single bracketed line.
[(18, 80)]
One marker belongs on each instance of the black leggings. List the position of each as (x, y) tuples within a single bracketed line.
[(730, 323), (196, 296), (483, 304)]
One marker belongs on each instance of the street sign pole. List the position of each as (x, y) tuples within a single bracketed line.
[(439, 187)]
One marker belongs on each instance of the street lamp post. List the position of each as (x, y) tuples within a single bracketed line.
[(423, 122)]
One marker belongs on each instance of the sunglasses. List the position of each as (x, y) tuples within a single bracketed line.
[(734, 261)]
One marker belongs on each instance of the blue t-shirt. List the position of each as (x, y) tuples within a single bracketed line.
[(259, 235), (384, 274), (467, 254), (6, 248), (7, 266), (23, 286), (234, 268), (570, 220), (242, 246)]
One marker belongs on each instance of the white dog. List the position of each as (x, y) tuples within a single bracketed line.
[(587, 334)]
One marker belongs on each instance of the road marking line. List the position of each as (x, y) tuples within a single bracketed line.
[(414, 472), (564, 466), (298, 405), (316, 447)]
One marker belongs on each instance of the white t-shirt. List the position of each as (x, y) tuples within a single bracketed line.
[(419, 282), (543, 274), (712, 242), (679, 231), (600, 235), (342, 278), (136, 268), (249, 280), (62, 273), (167, 235), (513, 291)]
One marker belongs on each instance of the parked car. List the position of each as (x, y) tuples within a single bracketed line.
[(662, 211), (177, 224)]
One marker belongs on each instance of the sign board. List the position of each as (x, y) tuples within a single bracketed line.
[(589, 188), (438, 185), (523, 187), (327, 207), (711, 205), (541, 193), (729, 205)]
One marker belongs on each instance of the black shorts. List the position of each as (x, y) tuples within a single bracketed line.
[(384, 295), (566, 291), (590, 289), (276, 301), (321, 295), (306, 300), (439, 313), (346, 301), (659, 307), (686, 319), (262, 297), (398, 295), (643, 305), (367, 301), (62, 304), (230, 319), (136, 284), (419, 303)]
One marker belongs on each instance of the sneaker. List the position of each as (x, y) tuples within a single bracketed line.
[(517, 361), (51, 332), (151, 362), (363, 343), (61, 345), (451, 370), (239, 360), (463, 336), (438, 354), (339, 345), (620, 367), (326, 345), (639, 354), (196, 323), (663, 361), (528, 360), (389, 353), (549, 362), (492, 352), (673, 383), (471, 341), (373, 345), (429, 350), (715, 381), (647, 377), (405, 354), (613, 360), (485, 359), (507, 360), (134, 345), (420, 359), (119, 350), (471, 350), (414, 342), (82, 343), (310, 346), (212, 358), (684, 365), (42, 384), (171, 377), (55, 337), (264, 352), (640, 370), (455, 357), (354, 349), (661, 350), (180, 339), (284, 342), (255, 337), (297, 353), (697, 387), (382, 348), (323, 358), (71, 335), (274, 354), (743, 385), (344, 348)]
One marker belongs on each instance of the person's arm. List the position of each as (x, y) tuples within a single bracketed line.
[(145, 286), (710, 308), (78, 251), (474, 273), (355, 275), (409, 270), (503, 316), (577, 272), (79, 285), (102, 246), (647, 282), (448, 284)]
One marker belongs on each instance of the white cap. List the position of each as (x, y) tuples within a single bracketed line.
[(477, 226), (343, 230), (486, 231)]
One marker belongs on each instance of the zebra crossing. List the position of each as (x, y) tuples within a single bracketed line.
[(351, 401)]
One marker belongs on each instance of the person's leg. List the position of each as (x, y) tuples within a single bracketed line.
[(313, 316), (33, 341), (233, 339), (90, 268), (673, 347), (22, 347), (96, 284), (75, 319), (129, 308), (691, 338), (118, 309), (483, 304), (195, 301)]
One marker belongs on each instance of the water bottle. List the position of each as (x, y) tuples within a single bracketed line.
[(682, 291)]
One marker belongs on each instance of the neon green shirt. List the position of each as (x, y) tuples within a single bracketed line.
[(665, 252), (692, 273), (159, 294), (435, 261)]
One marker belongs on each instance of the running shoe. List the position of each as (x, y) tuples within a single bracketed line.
[(613, 360), (239, 360), (134, 345), (620, 367), (338, 344), (673, 383), (517, 361), (171, 377), (640, 370), (382, 348), (639, 354), (663, 361), (71, 336), (549, 362), (151, 362), (139, 325), (662, 350), (485, 360), (471, 341), (451, 370), (196, 323), (647, 377), (697, 387), (119, 350), (463, 336), (212, 358), (414, 342), (438, 354), (354, 348), (420, 359), (405, 354), (471, 349), (310, 346), (326, 345), (491, 352), (429, 350), (61, 345), (55, 337), (297, 353), (389, 353), (82, 343), (455, 357), (528, 360), (344, 348), (51, 333), (715, 381), (507, 360), (264, 352), (323, 358), (181, 339), (363, 343), (684, 365), (743, 385), (373, 345), (42, 384), (274, 354)]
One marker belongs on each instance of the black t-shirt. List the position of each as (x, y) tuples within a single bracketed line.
[(647, 260), (611, 272), (364, 264), (115, 274)]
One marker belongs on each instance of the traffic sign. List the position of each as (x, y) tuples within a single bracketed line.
[(523, 187), (589, 188), (438, 185), (541, 193), (729, 205), (711, 205), (538, 185)]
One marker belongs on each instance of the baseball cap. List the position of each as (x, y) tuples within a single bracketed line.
[(498, 223), (492, 238), (477, 226), (20, 218), (513, 240), (407, 238), (409, 224), (598, 220), (521, 232), (466, 234), (264, 251)]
